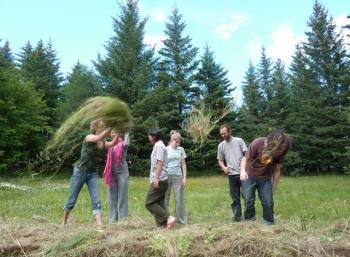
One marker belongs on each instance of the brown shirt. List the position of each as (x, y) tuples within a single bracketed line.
[(254, 167)]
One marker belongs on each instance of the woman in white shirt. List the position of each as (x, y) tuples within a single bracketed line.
[(176, 169)]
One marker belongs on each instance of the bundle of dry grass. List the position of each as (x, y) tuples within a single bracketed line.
[(137, 237), (201, 122), (109, 111)]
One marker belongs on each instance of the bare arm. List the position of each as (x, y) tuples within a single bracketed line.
[(276, 176), (109, 144), (126, 140), (184, 172), (95, 138), (222, 166), (244, 175)]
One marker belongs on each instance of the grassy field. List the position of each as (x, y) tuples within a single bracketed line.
[(306, 208)]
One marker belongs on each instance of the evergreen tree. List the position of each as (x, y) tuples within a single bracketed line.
[(178, 63), (304, 117), (326, 58), (251, 112), (41, 67), (6, 57), (278, 105), (127, 70), (214, 85), (264, 74), (22, 117), (216, 95), (81, 84)]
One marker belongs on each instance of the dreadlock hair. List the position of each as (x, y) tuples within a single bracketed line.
[(277, 145)]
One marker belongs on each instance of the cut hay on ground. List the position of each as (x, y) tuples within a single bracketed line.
[(135, 237)]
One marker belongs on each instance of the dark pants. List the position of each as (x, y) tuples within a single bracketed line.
[(155, 203), (235, 185), (264, 187)]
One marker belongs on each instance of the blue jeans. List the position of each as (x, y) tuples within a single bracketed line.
[(264, 187), (77, 181)]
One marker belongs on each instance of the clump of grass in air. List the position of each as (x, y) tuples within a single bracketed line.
[(201, 122), (109, 111)]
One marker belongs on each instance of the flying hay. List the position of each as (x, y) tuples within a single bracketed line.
[(110, 111), (201, 122)]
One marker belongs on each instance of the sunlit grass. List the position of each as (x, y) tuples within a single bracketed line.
[(314, 200)]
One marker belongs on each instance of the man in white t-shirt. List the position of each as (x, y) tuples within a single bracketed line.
[(230, 153)]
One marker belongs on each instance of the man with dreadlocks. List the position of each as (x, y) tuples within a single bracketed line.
[(260, 170)]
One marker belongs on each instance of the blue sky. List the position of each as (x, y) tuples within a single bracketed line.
[(234, 29)]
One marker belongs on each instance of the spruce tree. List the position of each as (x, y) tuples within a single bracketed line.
[(304, 116), (41, 67), (251, 112), (126, 70), (264, 75), (327, 61), (216, 95), (81, 84), (6, 57), (214, 85), (178, 62), (22, 117), (278, 105)]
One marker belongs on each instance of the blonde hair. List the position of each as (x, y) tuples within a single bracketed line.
[(97, 126), (174, 135)]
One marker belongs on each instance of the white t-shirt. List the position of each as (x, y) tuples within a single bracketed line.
[(159, 153), (175, 157)]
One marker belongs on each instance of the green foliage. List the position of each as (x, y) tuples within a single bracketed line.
[(319, 69), (81, 84), (41, 67), (22, 121), (126, 70), (214, 85), (178, 63)]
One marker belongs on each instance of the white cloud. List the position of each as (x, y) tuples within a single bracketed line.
[(283, 43), (225, 31), (253, 49), (159, 15), (341, 21), (154, 40)]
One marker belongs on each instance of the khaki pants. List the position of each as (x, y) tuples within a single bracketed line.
[(175, 185)]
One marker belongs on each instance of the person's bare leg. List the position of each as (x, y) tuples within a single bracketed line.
[(65, 217), (171, 221), (98, 220)]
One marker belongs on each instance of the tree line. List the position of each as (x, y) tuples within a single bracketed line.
[(309, 98)]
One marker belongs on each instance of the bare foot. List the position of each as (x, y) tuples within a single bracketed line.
[(170, 222)]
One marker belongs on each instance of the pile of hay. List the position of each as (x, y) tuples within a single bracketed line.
[(139, 237), (110, 111)]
